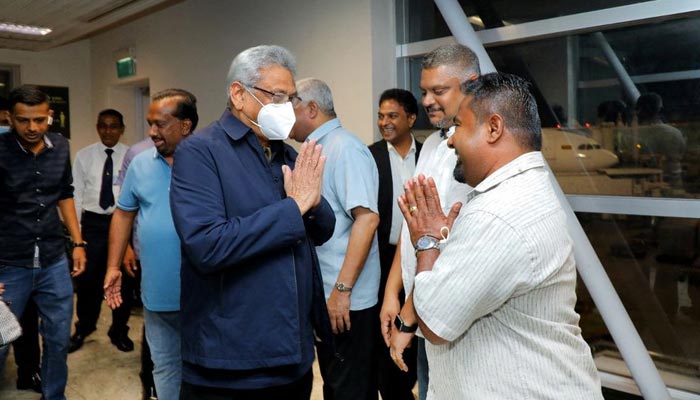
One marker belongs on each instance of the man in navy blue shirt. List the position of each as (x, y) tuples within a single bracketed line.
[(35, 179), (248, 211)]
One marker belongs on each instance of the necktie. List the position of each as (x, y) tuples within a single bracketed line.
[(106, 194)]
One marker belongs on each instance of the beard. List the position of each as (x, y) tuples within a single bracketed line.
[(458, 172)]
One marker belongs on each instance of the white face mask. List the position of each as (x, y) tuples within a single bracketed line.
[(275, 120)]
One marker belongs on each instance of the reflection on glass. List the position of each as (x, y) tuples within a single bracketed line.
[(600, 139), (654, 265), (424, 20)]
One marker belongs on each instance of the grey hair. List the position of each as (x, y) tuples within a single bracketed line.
[(317, 90), (456, 56), (245, 67)]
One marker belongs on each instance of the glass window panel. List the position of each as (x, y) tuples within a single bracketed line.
[(654, 265), (424, 21), (598, 141)]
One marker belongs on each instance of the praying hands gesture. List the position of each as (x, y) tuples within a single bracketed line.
[(303, 184), (420, 205)]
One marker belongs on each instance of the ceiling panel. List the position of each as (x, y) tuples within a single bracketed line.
[(70, 20)]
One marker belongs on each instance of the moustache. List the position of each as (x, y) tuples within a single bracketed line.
[(434, 108)]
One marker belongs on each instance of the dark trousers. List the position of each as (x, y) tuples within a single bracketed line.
[(27, 353), (349, 373), (298, 390), (393, 383), (95, 230)]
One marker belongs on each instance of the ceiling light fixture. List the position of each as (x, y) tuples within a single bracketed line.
[(24, 29)]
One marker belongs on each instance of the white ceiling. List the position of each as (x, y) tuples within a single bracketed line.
[(70, 20)]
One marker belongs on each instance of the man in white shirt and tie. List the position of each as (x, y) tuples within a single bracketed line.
[(94, 174)]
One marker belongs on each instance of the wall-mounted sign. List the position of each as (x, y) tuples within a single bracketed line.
[(126, 67)]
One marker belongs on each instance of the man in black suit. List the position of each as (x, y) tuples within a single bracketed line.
[(396, 155)]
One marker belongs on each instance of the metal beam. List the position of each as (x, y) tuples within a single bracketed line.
[(588, 264)]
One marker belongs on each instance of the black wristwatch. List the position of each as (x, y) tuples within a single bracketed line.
[(403, 327), (78, 244)]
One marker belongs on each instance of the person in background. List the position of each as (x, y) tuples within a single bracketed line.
[(132, 266), (444, 69), (396, 156), (172, 117), (96, 168), (350, 259)]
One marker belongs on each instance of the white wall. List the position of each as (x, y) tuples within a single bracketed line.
[(63, 66), (349, 44)]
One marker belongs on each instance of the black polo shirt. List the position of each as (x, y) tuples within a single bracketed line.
[(30, 188)]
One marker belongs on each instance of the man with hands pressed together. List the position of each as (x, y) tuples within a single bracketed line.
[(249, 212), (494, 291)]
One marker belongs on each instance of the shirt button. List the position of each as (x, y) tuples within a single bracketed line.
[(38, 172), (42, 205), (38, 190), (38, 238), (38, 220), (299, 242)]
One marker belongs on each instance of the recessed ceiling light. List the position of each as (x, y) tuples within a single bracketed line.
[(24, 29)]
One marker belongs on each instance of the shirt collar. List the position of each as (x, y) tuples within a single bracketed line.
[(324, 129), (411, 150), (517, 166), (233, 127), (47, 142)]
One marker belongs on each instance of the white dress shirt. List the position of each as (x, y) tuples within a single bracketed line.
[(437, 161), (402, 169), (87, 176)]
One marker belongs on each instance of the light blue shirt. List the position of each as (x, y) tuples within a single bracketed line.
[(146, 188), (350, 180)]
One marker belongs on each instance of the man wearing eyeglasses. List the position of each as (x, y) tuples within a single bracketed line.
[(350, 259), (249, 213)]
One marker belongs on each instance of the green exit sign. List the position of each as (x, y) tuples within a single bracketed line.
[(126, 67)]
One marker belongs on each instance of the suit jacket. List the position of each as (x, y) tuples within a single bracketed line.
[(386, 200)]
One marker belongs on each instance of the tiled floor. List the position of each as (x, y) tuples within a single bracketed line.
[(100, 371)]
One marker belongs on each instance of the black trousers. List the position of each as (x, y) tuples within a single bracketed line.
[(350, 373), (27, 353), (95, 230), (393, 383), (298, 390)]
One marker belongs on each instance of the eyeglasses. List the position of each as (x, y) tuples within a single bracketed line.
[(280, 98)]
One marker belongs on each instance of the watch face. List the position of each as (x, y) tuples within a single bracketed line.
[(425, 242)]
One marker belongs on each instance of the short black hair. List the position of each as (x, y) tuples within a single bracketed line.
[(27, 94), (405, 99), (186, 104), (649, 106), (112, 113), (509, 96)]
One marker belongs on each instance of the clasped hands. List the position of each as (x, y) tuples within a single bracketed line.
[(303, 184), (420, 205)]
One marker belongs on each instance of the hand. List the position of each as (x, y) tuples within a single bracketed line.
[(79, 261), (399, 342), (420, 206), (390, 309), (339, 311), (2, 288), (129, 261), (303, 184), (113, 288)]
